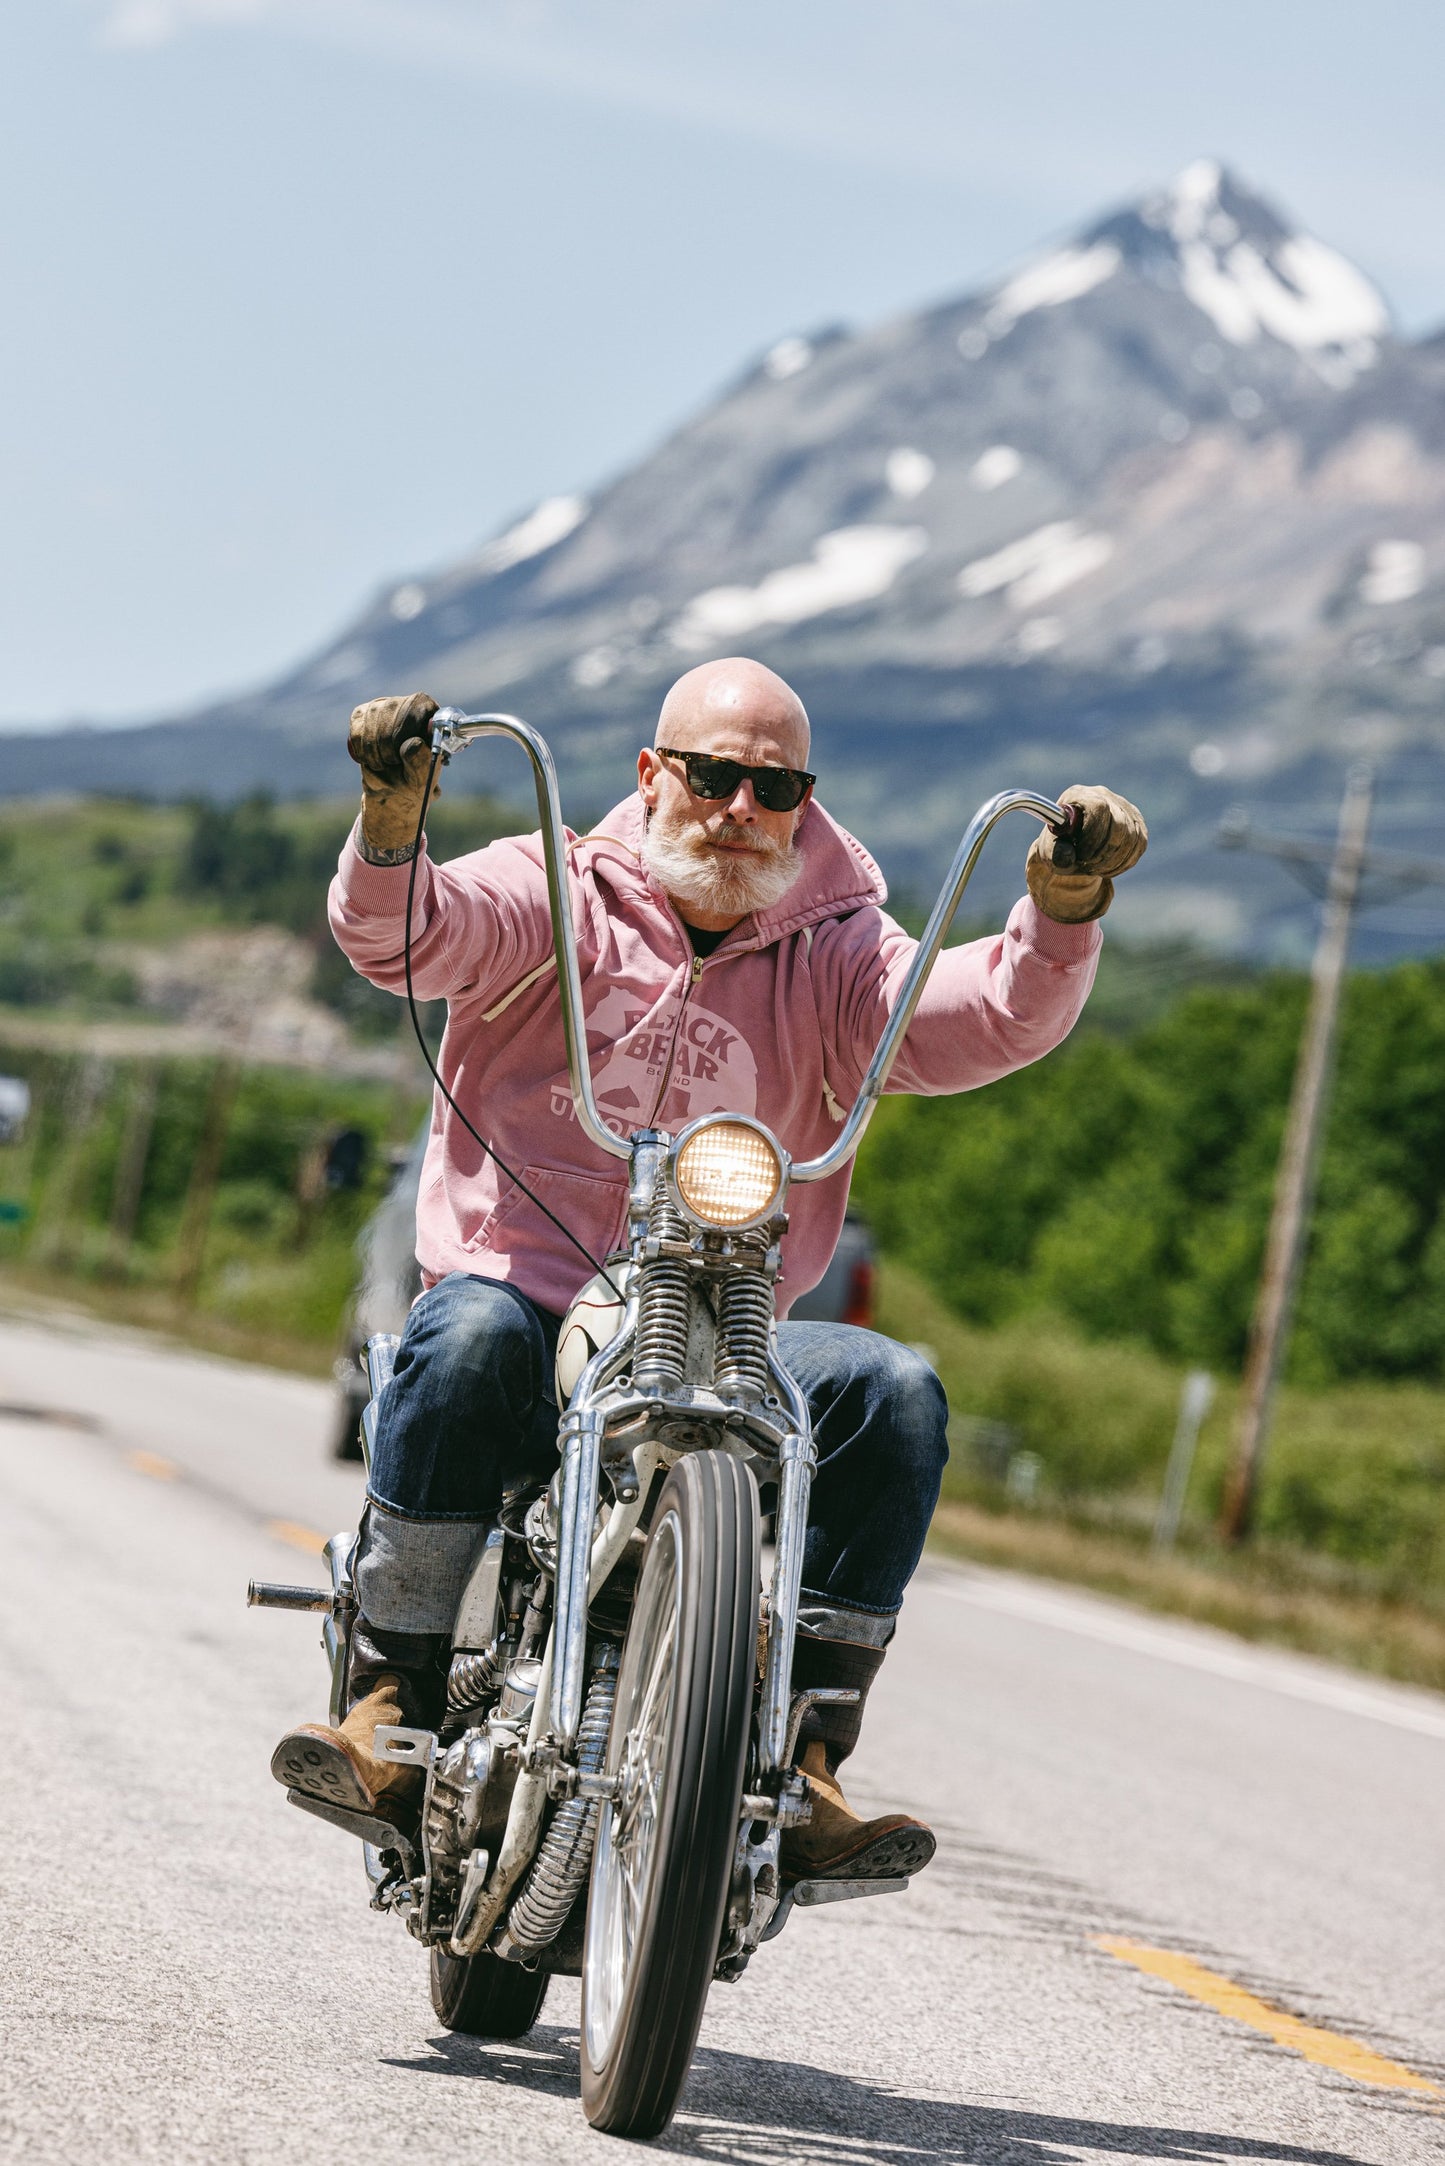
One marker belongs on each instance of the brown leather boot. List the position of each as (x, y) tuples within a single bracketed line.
[(340, 1767), (837, 1845), (395, 1677)]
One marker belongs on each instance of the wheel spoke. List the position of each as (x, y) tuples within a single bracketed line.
[(627, 1831)]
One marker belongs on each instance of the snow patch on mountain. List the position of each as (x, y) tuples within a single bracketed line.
[(344, 666), (908, 472), (553, 520), (788, 358), (1394, 572), (1037, 566), (852, 564), (992, 468), (1320, 301), (1064, 276), (1288, 286)]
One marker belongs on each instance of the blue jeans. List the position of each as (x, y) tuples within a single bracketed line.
[(471, 1411)]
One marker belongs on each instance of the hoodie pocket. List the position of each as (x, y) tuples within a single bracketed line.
[(589, 1205)]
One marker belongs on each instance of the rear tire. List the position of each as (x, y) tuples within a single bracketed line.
[(663, 1857), (485, 1997)]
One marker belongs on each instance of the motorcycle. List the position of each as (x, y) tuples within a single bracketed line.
[(608, 1789)]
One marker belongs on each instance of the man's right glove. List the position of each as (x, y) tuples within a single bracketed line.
[(1109, 838), (387, 739)]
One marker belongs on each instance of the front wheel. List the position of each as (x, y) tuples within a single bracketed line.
[(485, 1997), (663, 1856)]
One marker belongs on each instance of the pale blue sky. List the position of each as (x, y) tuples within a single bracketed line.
[(301, 295)]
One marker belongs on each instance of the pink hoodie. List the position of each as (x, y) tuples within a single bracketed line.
[(779, 1022)]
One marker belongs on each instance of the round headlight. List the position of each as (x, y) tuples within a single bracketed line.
[(728, 1174)]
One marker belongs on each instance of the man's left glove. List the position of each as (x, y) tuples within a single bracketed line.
[(388, 740), (1110, 837)]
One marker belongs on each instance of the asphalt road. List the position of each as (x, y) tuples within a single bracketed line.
[(1186, 1907)]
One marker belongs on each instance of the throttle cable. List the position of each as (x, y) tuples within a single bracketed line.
[(496, 1158)]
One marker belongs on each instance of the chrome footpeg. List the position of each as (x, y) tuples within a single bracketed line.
[(269, 1594), (381, 1834), (811, 1892)]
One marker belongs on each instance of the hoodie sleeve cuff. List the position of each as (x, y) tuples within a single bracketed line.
[(377, 890), (1047, 937)]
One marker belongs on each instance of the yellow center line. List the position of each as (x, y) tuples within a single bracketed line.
[(297, 1536), (1330, 2049), (152, 1464)]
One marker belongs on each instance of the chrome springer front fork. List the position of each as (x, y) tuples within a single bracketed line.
[(581, 1440), (797, 1460)]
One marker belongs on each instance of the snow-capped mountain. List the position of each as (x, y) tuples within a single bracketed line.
[(1165, 507)]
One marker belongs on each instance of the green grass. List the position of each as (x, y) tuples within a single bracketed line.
[(1349, 1554)]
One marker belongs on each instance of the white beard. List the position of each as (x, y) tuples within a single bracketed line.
[(721, 883)]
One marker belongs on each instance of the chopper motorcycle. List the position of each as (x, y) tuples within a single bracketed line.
[(607, 1791)]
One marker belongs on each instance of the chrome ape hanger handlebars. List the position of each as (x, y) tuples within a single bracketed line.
[(452, 731), (960, 872)]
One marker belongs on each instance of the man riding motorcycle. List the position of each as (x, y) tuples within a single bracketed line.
[(735, 957)]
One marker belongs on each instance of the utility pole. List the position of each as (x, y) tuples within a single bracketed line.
[(1335, 872), (1298, 1158)]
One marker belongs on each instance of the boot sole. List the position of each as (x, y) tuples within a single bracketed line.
[(895, 1852), (312, 1761)]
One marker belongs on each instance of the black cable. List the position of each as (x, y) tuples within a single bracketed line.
[(497, 1160)]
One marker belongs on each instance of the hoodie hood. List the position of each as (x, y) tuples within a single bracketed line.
[(838, 873)]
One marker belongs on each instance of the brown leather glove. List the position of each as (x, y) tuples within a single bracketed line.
[(388, 741), (1111, 836)]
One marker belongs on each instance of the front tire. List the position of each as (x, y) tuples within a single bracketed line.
[(485, 1997), (664, 1850)]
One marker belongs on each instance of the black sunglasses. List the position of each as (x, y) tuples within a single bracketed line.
[(777, 789)]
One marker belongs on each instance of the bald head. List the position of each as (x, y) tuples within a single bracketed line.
[(720, 858), (738, 709)]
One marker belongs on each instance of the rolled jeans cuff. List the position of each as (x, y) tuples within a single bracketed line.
[(820, 1620), (410, 1573)]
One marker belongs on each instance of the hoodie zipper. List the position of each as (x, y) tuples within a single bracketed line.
[(697, 963)]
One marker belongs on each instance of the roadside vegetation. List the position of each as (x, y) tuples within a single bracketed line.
[(88, 885), (1124, 1184), (1058, 1447), (1074, 1239), (212, 1200)]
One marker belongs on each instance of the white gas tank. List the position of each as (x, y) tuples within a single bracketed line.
[(592, 1322)]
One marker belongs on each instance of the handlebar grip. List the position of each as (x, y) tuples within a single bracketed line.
[(426, 731), (1064, 832)]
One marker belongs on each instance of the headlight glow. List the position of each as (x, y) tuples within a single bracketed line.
[(728, 1174)]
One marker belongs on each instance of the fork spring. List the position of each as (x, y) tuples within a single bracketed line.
[(745, 1313), (664, 1303)]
